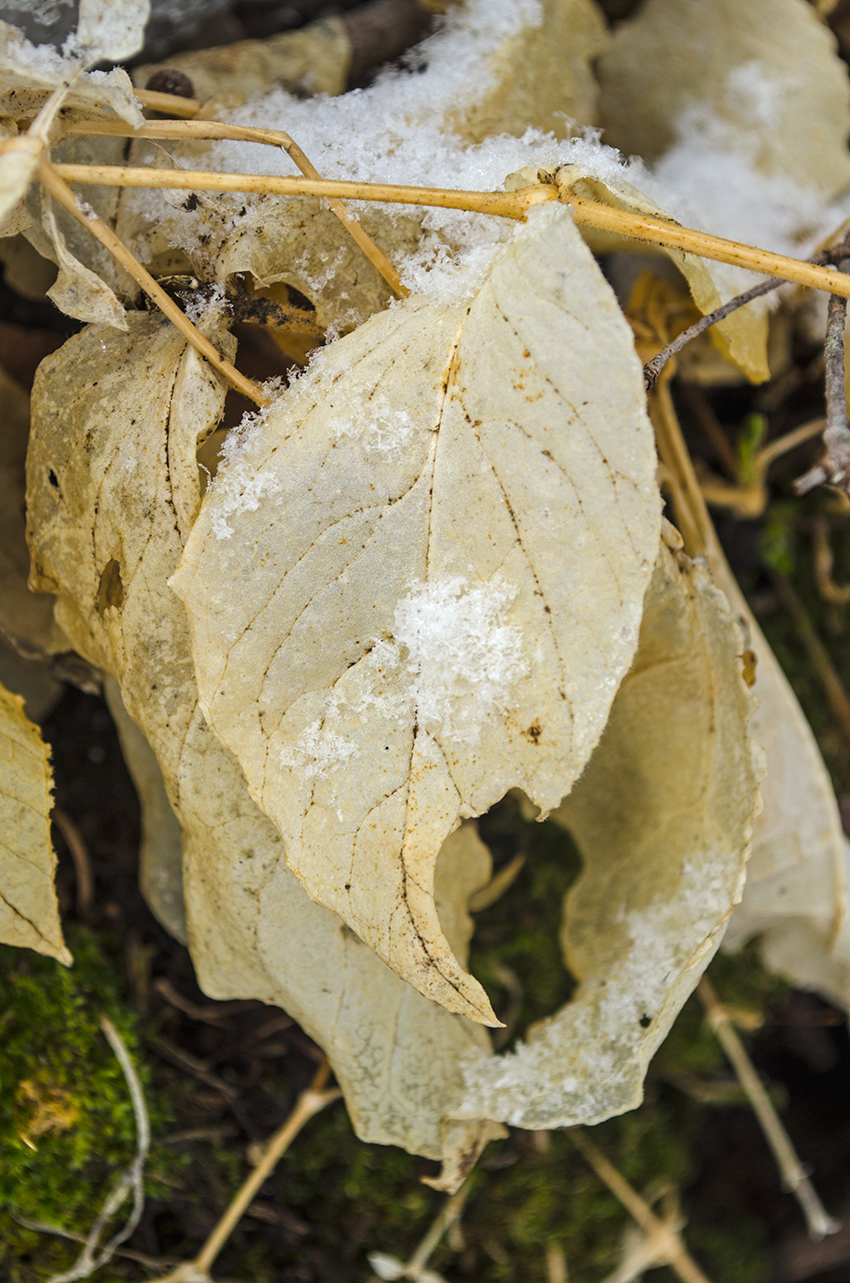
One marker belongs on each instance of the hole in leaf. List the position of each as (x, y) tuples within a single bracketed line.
[(110, 591)]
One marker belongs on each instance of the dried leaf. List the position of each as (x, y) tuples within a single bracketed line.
[(28, 74), (114, 427), (662, 816), (29, 914), (448, 601)]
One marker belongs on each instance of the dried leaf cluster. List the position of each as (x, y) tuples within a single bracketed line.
[(433, 567)]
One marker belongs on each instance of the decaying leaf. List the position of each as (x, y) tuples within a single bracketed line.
[(29, 914), (662, 816), (443, 536), (117, 433)]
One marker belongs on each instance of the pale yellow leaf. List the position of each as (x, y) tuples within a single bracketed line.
[(109, 423), (29, 914), (419, 581), (662, 816), (28, 75)]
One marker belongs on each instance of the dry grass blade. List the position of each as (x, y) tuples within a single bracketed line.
[(66, 198), (674, 1252), (794, 1176), (175, 131)]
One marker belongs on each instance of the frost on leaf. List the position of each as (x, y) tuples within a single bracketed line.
[(662, 816), (389, 643), (795, 898), (29, 914), (115, 421)]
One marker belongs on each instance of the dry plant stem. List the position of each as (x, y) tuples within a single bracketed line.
[(168, 104), (817, 654), (175, 131), (688, 503), (653, 368), (794, 1176), (82, 860), (679, 1258), (656, 231), (448, 1215), (90, 1259), (310, 1102), (556, 1264), (66, 198), (837, 594), (834, 470)]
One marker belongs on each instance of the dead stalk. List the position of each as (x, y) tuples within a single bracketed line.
[(81, 858), (642, 227), (834, 469), (176, 131), (794, 1176), (60, 192), (817, 654), (837, 594), (677, 1257)]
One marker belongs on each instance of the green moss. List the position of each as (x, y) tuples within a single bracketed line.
[(66, 1120)]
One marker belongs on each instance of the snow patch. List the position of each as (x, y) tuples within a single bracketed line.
[(317, 750), (464, 657), (239, 483)]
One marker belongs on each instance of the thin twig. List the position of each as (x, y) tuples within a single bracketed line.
[(415, 1269), (103, 233), (653, 368), (834, 469), (132, 1181), (678, 1258), (311, 1101), (153, 1263), (213, 129), (587, 213), (81, 858), (556, 1264), (794, 1175)]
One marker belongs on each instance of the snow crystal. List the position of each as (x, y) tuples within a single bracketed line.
[(239, 483), (317, 750), (378, 425), (463, 656)]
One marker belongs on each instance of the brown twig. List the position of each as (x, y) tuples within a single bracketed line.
[(834, 468), (653, 368), (60, 192), (794, 1175)]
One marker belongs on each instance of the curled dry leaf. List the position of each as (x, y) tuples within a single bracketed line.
[(29, 914), (662, 816), (113, 455), (443, 537)]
